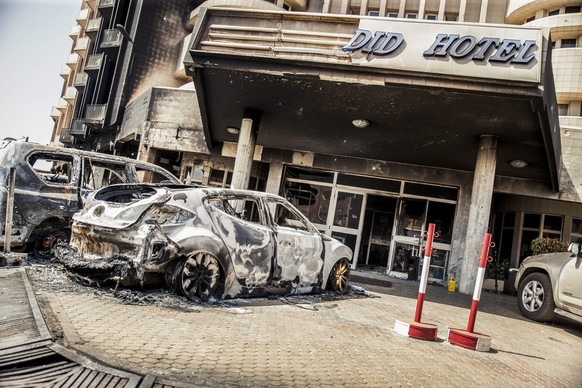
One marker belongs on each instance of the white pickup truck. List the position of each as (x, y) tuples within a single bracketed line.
[(551, 283)]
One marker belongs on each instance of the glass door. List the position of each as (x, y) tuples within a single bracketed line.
[(405, 252), (346, 219)]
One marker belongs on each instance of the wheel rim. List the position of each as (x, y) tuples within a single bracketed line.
[(340, 274), (533, 296), (200, 276)]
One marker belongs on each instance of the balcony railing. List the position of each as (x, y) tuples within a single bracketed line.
[(95, 115), (65, 72), (66, 137), (70, 94), (83, 17), (111, 39), (106, 8), (93, 28), (81, 80), (78, 128), (94, 63), (73, 60), (75, 31), (82, 46)]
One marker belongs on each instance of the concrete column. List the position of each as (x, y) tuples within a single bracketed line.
[(462, 10), (480, 208), (383, 4), (345, 7), (244, 155), (483, 12), (402, 8), (421, 8), (274, 179), (364, 8), (442, 6)]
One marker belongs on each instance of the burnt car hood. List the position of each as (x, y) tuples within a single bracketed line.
[(119, 215)]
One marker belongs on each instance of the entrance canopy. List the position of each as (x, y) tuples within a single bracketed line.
[(421, 92)]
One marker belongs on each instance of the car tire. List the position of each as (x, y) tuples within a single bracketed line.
[(535, 297), (44, 244), (338, 280), (201, 277)]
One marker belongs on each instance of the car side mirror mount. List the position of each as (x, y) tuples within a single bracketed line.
[(574, 248)]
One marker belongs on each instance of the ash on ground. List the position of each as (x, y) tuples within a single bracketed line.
[(54, 277)]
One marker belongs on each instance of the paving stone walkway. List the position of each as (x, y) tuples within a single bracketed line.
[(316, 341)]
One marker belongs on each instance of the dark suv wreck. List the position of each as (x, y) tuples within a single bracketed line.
[(204, 242), (51, 184)]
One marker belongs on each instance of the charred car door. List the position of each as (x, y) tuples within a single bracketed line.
[(299, 247), (51, 189), (240, 221)]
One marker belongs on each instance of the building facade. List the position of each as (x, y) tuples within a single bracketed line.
[(375, 118)]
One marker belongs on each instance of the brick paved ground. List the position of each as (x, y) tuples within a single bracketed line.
[(315, 341)]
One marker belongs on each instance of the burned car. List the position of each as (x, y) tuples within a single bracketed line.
[(49, 184), (204, 242), (551, 281)]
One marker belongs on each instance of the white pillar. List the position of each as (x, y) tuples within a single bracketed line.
[(483, 13), (462, 10), (442, 6), (479, 210), (274, 178), (244, 155)]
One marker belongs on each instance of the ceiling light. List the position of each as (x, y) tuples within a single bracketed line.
[(234, 131), (360, 123), (517, 163)]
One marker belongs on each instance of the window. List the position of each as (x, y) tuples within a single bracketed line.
[(411, 15), (392, 14), (246, 209), (567, 43), (572, 9), (576, 235), (284, 216), (451, 17), (552, 226), (530, 19), (431, 16), (53, 169), (554, 12), (220, 178), (99, 174), (374, 13), (563, 109), (148, 176), (311, 199)]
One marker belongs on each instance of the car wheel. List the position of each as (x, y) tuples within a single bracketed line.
[(43, 246), (201, 276), (535, 298), (339, 276)]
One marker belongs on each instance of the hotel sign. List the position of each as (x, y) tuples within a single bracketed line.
[(483, 51)]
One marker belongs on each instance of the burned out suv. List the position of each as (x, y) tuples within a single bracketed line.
[(52, 183)]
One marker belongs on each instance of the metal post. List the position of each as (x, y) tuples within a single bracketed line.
[(479, 282), (9, 211), (424, 276)]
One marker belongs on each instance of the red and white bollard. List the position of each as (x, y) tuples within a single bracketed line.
[(416, 329), (467, 338)]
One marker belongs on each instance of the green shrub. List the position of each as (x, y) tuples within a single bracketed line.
[(547, 245)]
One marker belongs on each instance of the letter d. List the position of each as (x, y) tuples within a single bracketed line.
[(359, 40)]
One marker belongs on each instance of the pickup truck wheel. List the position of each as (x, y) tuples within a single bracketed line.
[(535, 298)]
